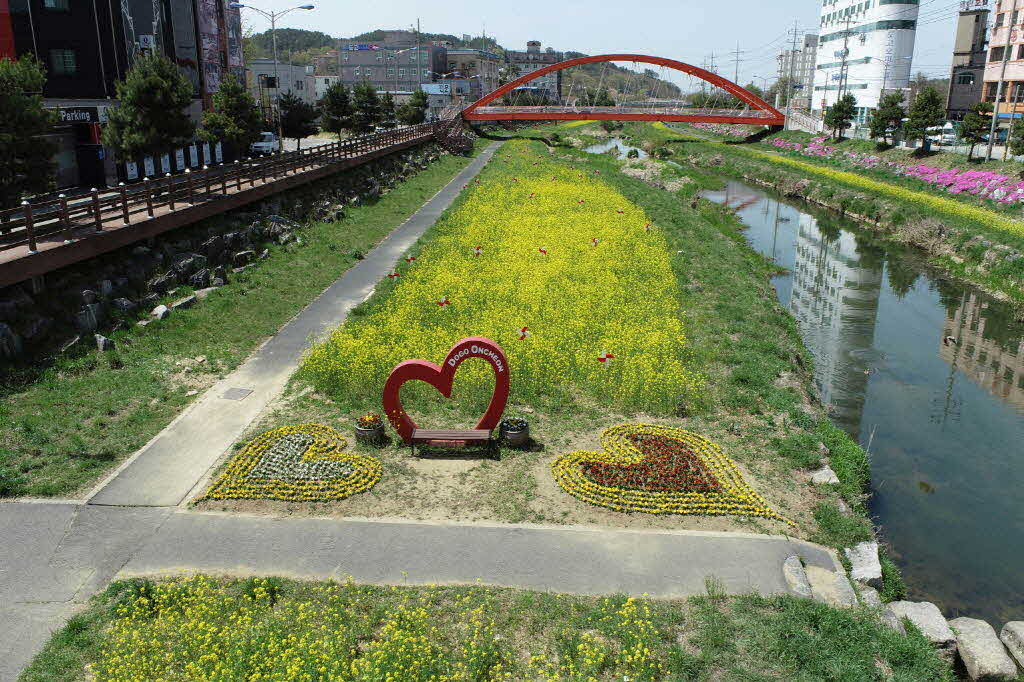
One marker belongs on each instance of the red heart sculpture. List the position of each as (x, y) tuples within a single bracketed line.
[(442, 377)]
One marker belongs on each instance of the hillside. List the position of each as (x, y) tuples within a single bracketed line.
[(298, 46)]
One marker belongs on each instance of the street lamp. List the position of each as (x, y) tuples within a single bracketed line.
[(273, 16)]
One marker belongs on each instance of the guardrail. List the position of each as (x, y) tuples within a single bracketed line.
[(24, 225)]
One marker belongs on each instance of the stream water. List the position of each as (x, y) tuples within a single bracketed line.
[(928, 375)]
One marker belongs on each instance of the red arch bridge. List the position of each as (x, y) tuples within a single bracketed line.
[(753, 110)]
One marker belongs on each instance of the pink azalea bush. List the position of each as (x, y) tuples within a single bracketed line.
[(985, 184)]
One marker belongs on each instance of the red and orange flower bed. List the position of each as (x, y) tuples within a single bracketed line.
[(659, 470)]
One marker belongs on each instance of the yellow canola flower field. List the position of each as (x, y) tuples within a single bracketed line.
[(553, 264), (950, 207)]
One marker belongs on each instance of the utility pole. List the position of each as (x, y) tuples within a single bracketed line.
[(846, 55), (1007, 49), (736, 73), (792, 69)]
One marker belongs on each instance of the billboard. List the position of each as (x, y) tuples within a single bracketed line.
[(6, 31)]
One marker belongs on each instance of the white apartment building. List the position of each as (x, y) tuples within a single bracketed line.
[(865, 49), (801, 63)]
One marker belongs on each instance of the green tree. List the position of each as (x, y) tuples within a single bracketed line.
[(783, 88), (1016, 140), (366, 112), (888, 118), (150, 116), (387, 111), (840, 114), (26, 164), (415, 110), (926, 111), (336, 109), (298, 118), (599, 98), (235, 119), (975, 125)]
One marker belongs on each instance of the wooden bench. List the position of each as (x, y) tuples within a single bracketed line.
[(453, 439)]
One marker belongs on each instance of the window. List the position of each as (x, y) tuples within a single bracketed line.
[(999, 19), (401, 72), (1013, 18), (966, 78), (1020, 52), (63, 62), (299, 85), (426, 73), (60, 5), (996, 55)]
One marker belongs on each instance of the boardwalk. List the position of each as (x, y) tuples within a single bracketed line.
[(43, 236)]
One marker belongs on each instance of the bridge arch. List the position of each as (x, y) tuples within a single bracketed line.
[(761, 113)]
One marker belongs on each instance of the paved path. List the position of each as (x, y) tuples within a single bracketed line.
[(165, 470), (57, 555)]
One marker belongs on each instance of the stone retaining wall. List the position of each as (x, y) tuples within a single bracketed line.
[(73, 306)]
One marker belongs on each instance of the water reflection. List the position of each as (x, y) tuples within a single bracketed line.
[(929, 375)]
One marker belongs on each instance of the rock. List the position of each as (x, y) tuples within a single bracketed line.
[(928, 619), (103, 344), (140, 251), (160, 312), (125, 305), (10, 343), (264, 254), (796, 577), (106, 288), (200, 279), (184, 303), (220, 273), (88, 296), (1012, 635), (217, 282), (823, 450), (981, 651), (88, 319), (824, 476), (69, 344), (864, 564), (830, 587), (203, 293), (161, 283), (889, 618), (213, 246), (149, 301), (242, 258), (869, 596), (38, 328), (8, 310), (844, 508)]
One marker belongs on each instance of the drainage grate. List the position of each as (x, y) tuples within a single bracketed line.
[(237, 393)]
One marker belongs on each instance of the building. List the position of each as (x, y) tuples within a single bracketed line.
[(327, 64), (88, 46), (294, 80), (834, 299), (534, 58), (993, 361), (473, 73), (800, 63), (865, 49), (392, 67), (321, 84), (1006, 42), (970, 51)]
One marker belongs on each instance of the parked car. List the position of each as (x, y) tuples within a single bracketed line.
[(267, 144)]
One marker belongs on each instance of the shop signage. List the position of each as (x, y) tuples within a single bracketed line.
[(82, 114), (437, 88)]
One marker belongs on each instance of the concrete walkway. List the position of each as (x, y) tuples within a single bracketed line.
[(58, 555), (165, 470)]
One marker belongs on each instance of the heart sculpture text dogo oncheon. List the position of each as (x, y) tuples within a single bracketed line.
[(441, 378)]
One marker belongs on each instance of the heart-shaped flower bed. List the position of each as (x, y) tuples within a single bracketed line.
[(659, 470), (303, 463)]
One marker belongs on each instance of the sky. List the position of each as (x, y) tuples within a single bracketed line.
[(686, 30)]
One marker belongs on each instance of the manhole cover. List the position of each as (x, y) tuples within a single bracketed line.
[(236, 393)]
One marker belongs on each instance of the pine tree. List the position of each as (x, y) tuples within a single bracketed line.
[(387, 111), (235, 119), (415, 110), (336, 109), (888, 117), (926, 111), (26, 165), (298, 118), (840, 114), (366, 108), (150, 117), (975, 125), (1016, 141)]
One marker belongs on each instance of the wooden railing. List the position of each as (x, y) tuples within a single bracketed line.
[(24, 225)]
